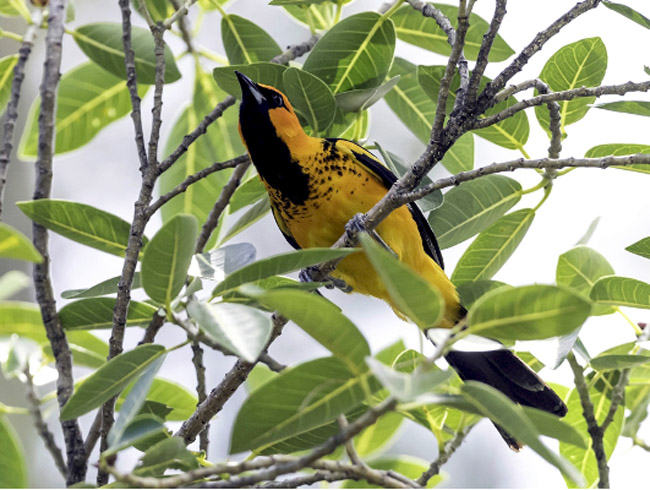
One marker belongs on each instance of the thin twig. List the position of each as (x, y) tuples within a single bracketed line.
[(41, 426), (223, 391), (299, 481), (444, 455), (181, 12), (76, 457), (486, 98), (511, 165), (156, 323), (132, 82), (565, 95), (594, 430), (450, 70), (191, 179), (93, 433), (156, 112), (220, 205), (199, 368), (555, 118), (617, 399), (484, 51), (6, 146)]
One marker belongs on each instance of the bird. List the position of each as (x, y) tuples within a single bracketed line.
[(317, 185)]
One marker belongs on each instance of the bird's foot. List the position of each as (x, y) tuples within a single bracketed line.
[(358, 225), (314, 274)]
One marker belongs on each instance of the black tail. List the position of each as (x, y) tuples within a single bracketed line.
[(504, 371)]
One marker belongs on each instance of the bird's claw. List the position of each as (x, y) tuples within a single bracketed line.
[(357, 225), (314, 274)]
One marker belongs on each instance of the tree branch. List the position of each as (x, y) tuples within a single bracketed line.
[(41, 426), (76, 456), (511, 165), (219, 206), (132, 82), (484, 51), (486, 98), (191, 179), (593, 428), (444, 455), (546, 98), (223, 391), (199, 368), (6, 146)]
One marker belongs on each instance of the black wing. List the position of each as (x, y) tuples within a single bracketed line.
[(388, 178)]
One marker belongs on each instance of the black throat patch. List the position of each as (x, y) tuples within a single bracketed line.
[(271, 155)]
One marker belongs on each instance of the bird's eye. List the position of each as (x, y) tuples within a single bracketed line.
[(278, 101)]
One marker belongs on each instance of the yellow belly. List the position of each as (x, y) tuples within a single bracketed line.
[(322, 221)]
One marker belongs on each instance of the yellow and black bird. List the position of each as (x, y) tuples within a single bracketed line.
[(316, 185)]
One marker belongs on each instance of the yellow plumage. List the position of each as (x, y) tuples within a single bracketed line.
[(341, 185)]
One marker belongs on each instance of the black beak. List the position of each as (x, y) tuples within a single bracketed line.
[(249, 89)]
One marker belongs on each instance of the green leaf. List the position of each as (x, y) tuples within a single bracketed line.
[(638, 107), (262, 72), (642, 248), (87, 350), (167, 454), (299, 399), (472, 207), (348, 125), (243, 330), (408, 466), (511, 133), (173, 395), (551, 425), (109, 286), (579, 268), (407, 387), (579, 64), (399, 167), (361, 99), (251, 216), (618, 362), (460, 157), (409, 102), (245, 42), (159, 9), (217, 264), (133, 402), (110, 379), (319, 15), (279, 264), (589, 233), (493, 247), (11, 282), (621, 149), (630, 13), (6, 77), (82, 223), (376, 437), (102, 43), (411, 293), (89, 99), (621, 291), (412, 27), (469, 292), (13, 470), (248, 192), (528, 313), (15, 245), (584, 459), (311, 98), (142, 432), (322, 320), (355, 53), (221, 142), (167, 257), (92, 313), (512, 418)]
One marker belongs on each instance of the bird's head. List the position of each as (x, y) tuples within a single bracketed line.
[(265, 112)]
